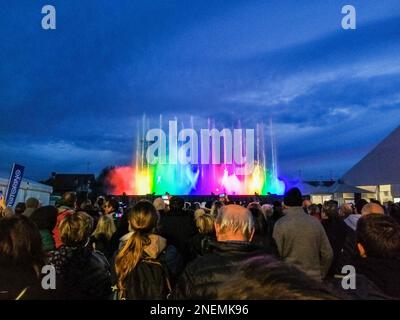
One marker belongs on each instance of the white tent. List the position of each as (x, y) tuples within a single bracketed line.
[(29, 188), (379, 170), (380, 166)]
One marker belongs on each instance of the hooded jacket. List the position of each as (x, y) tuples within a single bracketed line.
[(154, 274)]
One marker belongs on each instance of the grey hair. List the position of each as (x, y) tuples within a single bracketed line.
[(233, 222)]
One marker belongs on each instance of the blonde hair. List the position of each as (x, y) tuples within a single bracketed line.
[(105, 226), (75, 229), (143, 220), (205, 223), (6, 212), (159, 204), (216, 207), (198, 213)]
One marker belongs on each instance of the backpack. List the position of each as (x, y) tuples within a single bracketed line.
[(148, 281)]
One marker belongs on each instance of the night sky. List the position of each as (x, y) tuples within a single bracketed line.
[(75, 94)]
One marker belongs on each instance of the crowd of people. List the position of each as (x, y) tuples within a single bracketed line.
[(290, 249)]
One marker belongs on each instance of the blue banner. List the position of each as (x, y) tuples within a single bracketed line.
[(14, 183)]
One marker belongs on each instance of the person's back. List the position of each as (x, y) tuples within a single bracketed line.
[(31, 205), (67, 208), (350, 252), (301, 239), (267, 278), (101, 237), (101, 243), (336, 230), (276, 215), (234, 231), (378, 243), (45, 218), (260, 226), (206, 232), (144, 263), (151, 279), (203, 275), (83, 273), (178, 227), (21, 257)]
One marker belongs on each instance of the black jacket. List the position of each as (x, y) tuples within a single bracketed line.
[(364, 289), (349, 251), (271, 223), (81, 273), (199, 245), (178, 228), (384, 273), (102, 244), (201, 278), (336, 230)]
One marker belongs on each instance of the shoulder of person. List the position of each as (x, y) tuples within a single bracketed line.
[(99, 259)]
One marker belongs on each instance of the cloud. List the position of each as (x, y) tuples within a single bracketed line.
[(78, 94), (285, 90)]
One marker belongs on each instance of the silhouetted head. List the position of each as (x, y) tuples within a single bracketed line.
[(176, 203), (69, 199), (330, 209), (20, 242), (360, 204), (372, 208), (111, 205), (293, 198), (20, 208), (265, 278), (45, 217), (378, 236), (32, 203)]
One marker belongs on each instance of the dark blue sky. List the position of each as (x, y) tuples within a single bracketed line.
[(74, 95)]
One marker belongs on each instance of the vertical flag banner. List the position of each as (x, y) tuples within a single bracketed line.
[(14, 184)]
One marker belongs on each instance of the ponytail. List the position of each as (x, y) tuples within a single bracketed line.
[(142, 219), (128, 258)]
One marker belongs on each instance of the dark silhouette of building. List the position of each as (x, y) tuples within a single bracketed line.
[(80, 183)]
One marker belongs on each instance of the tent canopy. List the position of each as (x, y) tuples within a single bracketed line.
[(341, 187), (380, 166)]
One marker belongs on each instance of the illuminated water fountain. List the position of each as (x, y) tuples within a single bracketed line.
[(187, 163)]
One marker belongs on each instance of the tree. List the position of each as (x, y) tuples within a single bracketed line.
[(102, 185)]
